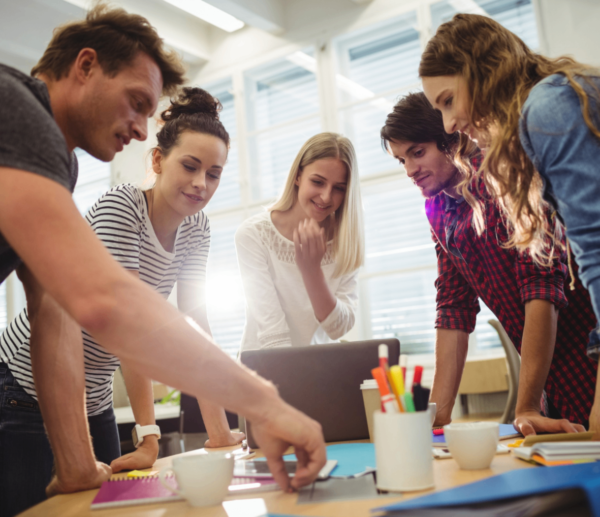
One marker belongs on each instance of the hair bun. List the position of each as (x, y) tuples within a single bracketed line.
[(192, 101)]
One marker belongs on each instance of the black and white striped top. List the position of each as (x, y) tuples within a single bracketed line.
[(120, 219)]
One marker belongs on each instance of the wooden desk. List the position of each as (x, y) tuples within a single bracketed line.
[(446, 472)]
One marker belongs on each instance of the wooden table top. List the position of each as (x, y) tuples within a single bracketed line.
[(446, 473)]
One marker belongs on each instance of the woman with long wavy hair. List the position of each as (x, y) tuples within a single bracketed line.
[(538, 119)]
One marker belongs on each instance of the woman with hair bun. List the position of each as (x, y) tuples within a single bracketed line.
[(161, 236), (539, 120), (299, 260)]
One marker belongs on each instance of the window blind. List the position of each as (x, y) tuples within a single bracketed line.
[(396, 227), (272, 154), (517, 16), (224, 290), (401, 267), (282, 113), (281, 91), (93, 180), (375, 67)]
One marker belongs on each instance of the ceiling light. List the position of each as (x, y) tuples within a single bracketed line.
[(209, 14)]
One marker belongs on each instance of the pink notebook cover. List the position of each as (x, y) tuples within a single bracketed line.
[(128, 492)]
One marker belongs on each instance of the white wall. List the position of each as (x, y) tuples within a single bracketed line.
[(571, 27)]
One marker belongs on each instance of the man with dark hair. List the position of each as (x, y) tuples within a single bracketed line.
[(473, 262), (99, 98)]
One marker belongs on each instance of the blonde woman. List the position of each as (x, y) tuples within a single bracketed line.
[(299, 259)]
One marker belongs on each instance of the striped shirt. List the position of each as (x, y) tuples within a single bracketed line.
[(120, 219)]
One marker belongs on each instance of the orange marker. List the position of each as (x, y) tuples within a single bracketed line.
[(388, 402)]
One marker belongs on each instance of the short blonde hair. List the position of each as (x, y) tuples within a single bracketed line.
[(348, 227)]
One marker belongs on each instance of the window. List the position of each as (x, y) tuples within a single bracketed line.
[(282, 108), (282, 113), (228, 193), (93, 180), (397, 281), (224, 290), (516, 15), (376, 66)]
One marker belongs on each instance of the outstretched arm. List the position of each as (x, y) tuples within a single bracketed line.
[(139, 390), (57, 364), (457, 307), (451, 347), (40, 221), (537, 349)]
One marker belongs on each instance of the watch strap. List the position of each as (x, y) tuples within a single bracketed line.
[(145, 430)]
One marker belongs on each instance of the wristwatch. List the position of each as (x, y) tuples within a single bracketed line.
[(138, 433)]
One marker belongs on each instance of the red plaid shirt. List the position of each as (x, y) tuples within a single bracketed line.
[(472, 267)]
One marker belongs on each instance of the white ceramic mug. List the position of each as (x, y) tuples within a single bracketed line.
[(203, 479), (472, 444), (403, 451)]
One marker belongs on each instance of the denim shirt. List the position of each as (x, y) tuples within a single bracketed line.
[(567, 155)]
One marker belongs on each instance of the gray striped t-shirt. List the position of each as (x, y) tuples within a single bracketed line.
[(120, 219)]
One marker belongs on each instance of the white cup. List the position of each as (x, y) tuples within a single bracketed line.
[(403, 451), (203, 479), (472, 444)]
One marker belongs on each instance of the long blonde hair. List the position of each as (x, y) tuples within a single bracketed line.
[(500, 71), (348, 227)]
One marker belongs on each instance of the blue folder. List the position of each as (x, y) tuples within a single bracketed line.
[(352, 458), (505, 431), (517, 483)]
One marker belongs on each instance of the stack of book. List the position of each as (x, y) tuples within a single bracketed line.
[(559, 453)]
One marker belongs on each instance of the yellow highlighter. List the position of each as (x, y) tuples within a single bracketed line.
[(397, 384)]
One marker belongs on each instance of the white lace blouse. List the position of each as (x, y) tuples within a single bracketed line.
[(278, 309)]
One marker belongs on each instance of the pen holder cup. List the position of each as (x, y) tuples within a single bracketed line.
[(403, 451)]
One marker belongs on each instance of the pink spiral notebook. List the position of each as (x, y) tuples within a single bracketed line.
[(149, 490)]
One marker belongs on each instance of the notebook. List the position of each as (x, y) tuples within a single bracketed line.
[(132, 491), (560, 453), (149, 490), (506, 431)]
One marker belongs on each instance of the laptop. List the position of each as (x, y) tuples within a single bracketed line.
[(323, 381)]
